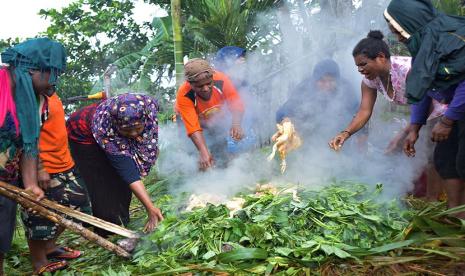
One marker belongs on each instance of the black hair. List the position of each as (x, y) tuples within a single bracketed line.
[(372, 45)]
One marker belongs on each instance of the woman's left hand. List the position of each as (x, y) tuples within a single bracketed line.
[(440, 132), (154, 218)]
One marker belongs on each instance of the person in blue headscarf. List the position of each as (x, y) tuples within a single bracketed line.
[(229, 56), (33, 69)]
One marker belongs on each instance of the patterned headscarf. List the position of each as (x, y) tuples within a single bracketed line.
[(127, 110), (33, 54), (195, 68)]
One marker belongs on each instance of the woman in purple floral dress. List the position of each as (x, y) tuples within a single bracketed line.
[(114, 144)]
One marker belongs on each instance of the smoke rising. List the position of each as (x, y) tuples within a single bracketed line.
[(269, 77)]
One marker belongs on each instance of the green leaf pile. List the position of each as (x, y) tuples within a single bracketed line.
[(275, 232)]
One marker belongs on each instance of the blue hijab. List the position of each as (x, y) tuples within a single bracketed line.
[(306, 90), (226, 55)]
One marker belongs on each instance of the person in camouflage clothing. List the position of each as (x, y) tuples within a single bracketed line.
[(62, 183)]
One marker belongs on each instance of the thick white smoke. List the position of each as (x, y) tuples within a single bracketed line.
[(270, 75)]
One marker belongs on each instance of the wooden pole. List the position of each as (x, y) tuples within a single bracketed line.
[(68, 224), (100, 223)]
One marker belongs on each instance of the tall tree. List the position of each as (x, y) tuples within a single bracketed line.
[(6, 43), (177, 40), (207, 25), (95, 33)]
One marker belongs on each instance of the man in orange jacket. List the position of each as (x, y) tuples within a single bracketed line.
[(201, 100)]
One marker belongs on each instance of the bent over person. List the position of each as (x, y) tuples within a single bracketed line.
[(437, 44), (207, 102), (114, 144)]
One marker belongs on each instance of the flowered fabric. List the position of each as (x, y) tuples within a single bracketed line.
[(400, 67), (128, 110), (10, 134), (10, 151)]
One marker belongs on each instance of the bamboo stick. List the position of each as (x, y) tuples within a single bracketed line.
[(100, 223), (74, 227)]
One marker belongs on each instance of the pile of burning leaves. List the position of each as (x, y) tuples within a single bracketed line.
[(294, 233)]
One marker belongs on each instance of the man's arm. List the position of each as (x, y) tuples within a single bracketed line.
[(191, 122), (419, 114), (205, 158)]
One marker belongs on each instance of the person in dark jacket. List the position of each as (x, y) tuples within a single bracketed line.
[(437, 44), (324, 91)]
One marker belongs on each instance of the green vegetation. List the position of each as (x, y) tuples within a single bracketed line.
[(344, 226)]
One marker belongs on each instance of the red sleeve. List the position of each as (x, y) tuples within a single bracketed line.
[(186, 108), (232, 96)]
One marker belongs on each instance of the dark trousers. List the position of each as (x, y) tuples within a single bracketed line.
[(7, 220), (109, 195), (449, 155)]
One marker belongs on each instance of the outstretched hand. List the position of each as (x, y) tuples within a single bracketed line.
[(205, 161), (409, 143), (337, 142), (236, 132), (155, 216)]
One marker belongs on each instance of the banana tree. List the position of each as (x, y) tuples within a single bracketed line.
[(150, 67), (177, 40)]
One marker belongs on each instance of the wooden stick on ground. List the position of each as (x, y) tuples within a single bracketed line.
[(100, 223), (74, 227)]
